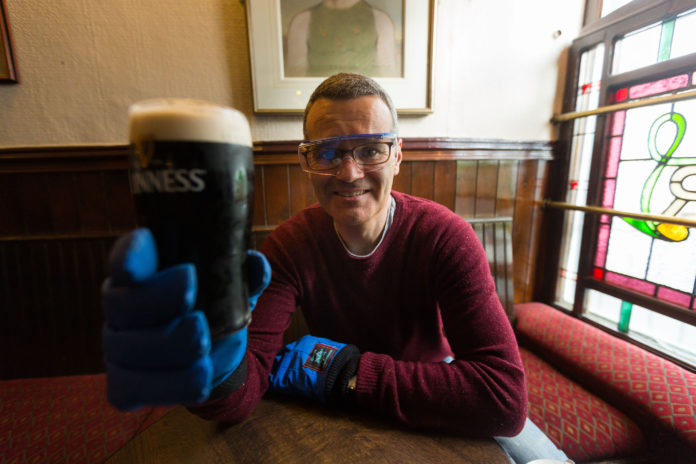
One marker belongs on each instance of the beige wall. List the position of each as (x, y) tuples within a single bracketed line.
[(82, 62)]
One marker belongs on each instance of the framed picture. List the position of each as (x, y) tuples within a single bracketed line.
[(295, 44), (7, 67)]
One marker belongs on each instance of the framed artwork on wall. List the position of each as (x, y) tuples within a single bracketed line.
[(295, 44), (8, 73)]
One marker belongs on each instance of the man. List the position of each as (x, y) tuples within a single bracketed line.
[(381, 277)]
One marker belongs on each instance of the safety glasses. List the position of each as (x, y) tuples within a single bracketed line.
[(325, 156)]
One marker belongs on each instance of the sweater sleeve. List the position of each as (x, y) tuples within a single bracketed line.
[(482, 392), (270, 319)]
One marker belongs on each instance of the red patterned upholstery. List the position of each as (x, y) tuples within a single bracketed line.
[(64, 420), (582, 425), (634, 377)]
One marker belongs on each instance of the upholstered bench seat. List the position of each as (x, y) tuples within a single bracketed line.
[(658, 395), (578, 422), (64, 420)]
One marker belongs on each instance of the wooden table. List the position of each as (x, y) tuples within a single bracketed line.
[(288, 430)]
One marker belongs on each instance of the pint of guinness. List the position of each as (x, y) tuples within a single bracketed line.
[(192, 179)]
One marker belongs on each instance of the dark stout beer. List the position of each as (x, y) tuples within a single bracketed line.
[(192, 179)]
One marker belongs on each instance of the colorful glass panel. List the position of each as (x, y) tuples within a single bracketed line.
[(669, 39), (661, 86), (650, 167)]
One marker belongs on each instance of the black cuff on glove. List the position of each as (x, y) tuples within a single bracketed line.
[(235, 380), (343, 367)]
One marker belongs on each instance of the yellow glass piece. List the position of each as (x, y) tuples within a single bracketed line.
[(673, 232)]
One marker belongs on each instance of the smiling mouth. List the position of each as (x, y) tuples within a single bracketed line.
[(356, 193)]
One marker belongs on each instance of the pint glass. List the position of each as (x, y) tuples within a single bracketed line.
[(191, 176)]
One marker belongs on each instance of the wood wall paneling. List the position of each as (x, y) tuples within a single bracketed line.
[(10, 212), (51, 310), (276, 187), (444, 183), (422, 179), (259, 215), (527, 223), (300, 190), (465, 188), (402, 181), (62, 208)]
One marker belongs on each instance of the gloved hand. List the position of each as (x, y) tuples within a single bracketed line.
[(156, 347), (316, 368)]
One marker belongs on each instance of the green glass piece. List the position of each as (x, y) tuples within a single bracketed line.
[(666, 41), (662, 159), (647, 227), (625, 316)]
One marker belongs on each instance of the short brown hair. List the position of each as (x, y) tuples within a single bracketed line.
[(346, 86)]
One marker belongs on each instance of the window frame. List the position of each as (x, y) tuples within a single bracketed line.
[(607, 30)]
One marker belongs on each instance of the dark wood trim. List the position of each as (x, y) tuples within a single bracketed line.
[(80, 236), (63, 159), (117, 233), (592, 12), (473, 154), (115, 157)]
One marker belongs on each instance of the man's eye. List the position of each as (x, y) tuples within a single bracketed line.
[(367, 152), (370, 152), (325, 155)]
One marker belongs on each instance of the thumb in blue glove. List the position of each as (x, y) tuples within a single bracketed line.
[(316, 368), (157, 348)]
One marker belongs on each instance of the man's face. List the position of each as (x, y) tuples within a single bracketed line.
[(352, 197)]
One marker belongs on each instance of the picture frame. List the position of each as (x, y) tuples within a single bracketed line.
[(8, 73), (277, 90)]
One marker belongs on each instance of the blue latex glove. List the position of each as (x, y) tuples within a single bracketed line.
[(316, 368), (156, 347)]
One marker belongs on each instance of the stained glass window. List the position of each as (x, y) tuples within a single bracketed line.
[(588, 85), (632, 276), (650, 168), (658, 42)]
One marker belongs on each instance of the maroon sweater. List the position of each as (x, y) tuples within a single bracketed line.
[(429, 277)]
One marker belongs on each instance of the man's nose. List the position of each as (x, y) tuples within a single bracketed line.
[(349, 169)]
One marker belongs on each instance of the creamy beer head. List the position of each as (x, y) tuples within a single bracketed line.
[(186, 119)]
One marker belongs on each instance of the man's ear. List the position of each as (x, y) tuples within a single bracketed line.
[(399, 157)]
